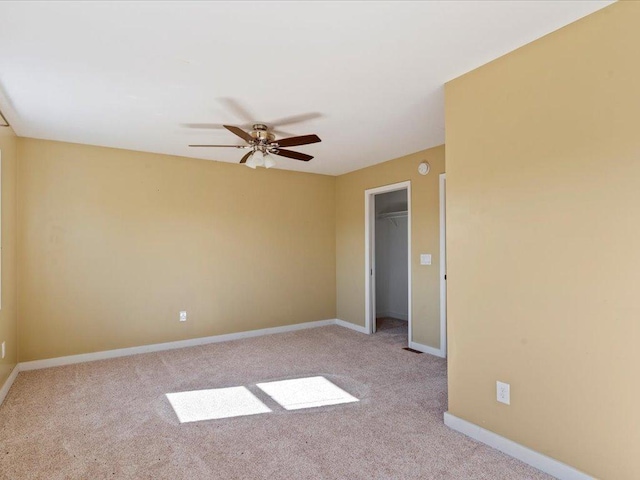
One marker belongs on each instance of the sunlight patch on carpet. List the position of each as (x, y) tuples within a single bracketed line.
[(217, 403), (306, 393)]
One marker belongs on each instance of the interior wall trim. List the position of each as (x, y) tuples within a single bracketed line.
[(537, 460), (443, 262), (427, 349), (193, 342), (352, 326), (158, 347), (4, 390)]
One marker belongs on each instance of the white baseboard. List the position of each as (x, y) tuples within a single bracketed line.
[(427, 349), (352, 326), (8, 382), (157, 347), (537, 460)]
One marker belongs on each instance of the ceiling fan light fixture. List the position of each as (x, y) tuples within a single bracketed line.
[(269, 162), (258, 158), (251, 163)]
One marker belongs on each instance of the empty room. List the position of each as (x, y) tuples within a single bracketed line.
[(319, 240)]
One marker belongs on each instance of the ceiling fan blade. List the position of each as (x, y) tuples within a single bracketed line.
[(295, 119), (232, 146), (239, 132), (215, 126), (246, 157), (301, 140), (237, 109), (295, 155), (281, 133)]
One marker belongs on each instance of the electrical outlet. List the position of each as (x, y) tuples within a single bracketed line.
[(183, 315), (3, 349), (503, 391)]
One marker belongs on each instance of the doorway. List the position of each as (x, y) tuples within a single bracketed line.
[(388, 256), (391, 250)]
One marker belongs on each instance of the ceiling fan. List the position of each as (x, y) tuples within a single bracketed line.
[(263, 143)]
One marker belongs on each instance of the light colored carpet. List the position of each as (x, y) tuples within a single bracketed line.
[(111, 419), (392, 326)]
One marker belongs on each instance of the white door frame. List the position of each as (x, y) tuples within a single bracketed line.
[(370, 252), (443, 266)]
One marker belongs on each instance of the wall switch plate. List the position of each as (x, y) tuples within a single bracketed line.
[(3, 349), (183, 315), (503, 391), (425, 259)]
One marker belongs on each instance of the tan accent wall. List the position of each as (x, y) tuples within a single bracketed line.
[(114, 243), (8, 317), (543, 238), (425, 238)]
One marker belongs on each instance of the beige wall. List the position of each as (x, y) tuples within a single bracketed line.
[(543, 238), (425, 238), (114, 243), (8, 318)]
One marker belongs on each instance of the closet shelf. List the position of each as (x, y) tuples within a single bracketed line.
[(391, 215)]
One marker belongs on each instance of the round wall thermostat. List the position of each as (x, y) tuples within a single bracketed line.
[(423, 168)]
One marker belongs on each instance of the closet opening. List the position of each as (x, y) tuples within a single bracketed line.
[(388, 260)]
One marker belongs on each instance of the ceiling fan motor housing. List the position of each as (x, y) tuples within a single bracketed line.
[(261, 133)]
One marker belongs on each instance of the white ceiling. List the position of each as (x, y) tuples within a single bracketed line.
[(132, 74)]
